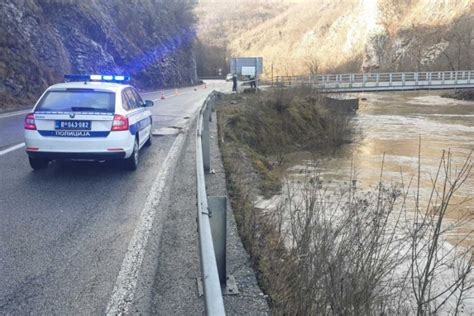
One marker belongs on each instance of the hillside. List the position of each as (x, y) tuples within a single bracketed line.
[(220, 22), (41, 40), (350, 35)]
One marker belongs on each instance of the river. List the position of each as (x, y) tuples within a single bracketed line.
[(388, 127)]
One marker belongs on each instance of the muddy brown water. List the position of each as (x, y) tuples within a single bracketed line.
[(390, 125)]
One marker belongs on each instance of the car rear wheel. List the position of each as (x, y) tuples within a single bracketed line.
[(131, 163), (149, 140), (38, 163)]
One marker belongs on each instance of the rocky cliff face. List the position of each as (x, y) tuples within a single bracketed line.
[(359, 35), (41, 40)]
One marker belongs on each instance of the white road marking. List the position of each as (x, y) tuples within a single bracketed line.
[(124, 290), (16, 113), (6, 151)]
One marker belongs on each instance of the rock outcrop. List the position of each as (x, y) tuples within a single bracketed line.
[(41, 40)]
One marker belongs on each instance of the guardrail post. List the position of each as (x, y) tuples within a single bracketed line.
[(468, 77), (218, 220), (205, 141)]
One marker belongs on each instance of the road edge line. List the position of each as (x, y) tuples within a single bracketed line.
[(12, 148), (124, 289), (15, 113)]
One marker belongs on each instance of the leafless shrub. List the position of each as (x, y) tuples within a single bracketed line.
[(354, 253), (345, 251), (431, 262), (361, 253)]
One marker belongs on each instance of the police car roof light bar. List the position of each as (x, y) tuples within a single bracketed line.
[(103, 78)]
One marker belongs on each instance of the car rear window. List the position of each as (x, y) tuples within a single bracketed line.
[(80, 100)]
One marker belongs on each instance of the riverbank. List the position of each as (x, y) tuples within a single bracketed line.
[(257, 133), (268, 126), (321, 246)]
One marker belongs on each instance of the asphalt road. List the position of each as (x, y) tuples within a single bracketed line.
[(65, 231)]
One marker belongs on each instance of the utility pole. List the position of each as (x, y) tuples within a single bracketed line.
[(256, 74), (272, 73)]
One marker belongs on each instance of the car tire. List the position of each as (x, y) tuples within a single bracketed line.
[(38, 163), (131, 163), (149, 140)]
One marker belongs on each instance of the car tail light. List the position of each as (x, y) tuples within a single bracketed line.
[(120, 123), (30, 121)]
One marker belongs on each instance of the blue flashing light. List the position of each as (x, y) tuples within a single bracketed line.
[(103, 78)]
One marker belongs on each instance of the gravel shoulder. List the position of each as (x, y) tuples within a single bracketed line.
[(250, 300), (167, 284)]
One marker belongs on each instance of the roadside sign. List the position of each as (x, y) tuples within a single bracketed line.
[(251, 67), (242, 66), (248, 71)]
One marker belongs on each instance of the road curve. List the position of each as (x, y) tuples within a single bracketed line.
[(65, 231)]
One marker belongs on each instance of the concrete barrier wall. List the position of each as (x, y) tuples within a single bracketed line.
[(341, 105)]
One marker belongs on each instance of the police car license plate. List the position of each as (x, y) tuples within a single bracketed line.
[(73, 125)]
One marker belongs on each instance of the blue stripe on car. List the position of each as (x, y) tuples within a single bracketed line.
[(139, 125)]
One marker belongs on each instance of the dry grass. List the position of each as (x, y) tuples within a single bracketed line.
[(267, 126), (278, 121)]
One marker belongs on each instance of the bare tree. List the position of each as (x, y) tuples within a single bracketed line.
[(459, 55), (311, 63)]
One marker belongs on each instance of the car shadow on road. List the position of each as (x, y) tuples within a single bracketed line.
[(69, 169)]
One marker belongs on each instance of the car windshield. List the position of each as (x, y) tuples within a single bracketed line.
[(77, 100)]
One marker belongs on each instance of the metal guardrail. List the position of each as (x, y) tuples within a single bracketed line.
[(384, 81), (211, 242)]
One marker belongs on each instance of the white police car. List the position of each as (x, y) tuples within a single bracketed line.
[(92, 117)]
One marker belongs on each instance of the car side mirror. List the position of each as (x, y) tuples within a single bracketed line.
[(148, 103)]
